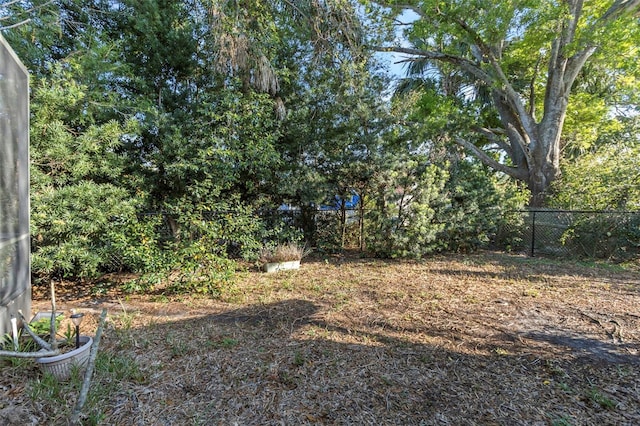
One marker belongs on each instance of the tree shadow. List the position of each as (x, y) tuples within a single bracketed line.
[(586, 348), (291, 362)]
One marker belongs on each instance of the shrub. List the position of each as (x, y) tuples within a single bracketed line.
[(402, 223), (75, 230), (476, 208)]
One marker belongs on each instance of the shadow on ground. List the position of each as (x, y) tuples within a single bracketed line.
[(288, 363)]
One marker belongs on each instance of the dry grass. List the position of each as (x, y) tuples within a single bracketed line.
[(488, 339), (283, 253)]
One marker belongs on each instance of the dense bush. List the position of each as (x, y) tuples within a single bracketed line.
[(75, 230), (479, 205), (79, 201), (607, 235), (402, 222), (421, 209)]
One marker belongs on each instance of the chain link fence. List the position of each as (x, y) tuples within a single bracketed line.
[(559, 233), (564, 233)]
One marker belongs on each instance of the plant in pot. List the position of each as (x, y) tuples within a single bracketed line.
[(282, 257), (58, 357)]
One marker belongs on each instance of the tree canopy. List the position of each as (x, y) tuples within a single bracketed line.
[(509, 69), (162, 131)]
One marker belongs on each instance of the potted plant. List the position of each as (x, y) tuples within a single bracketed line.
[(56, 357), (72, 354), (282, 257)]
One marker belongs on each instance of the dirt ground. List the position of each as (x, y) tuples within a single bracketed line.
[(480, 339)]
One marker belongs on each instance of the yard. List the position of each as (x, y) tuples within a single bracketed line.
[(487, 338)]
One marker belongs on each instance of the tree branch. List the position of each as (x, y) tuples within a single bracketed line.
[(577, 61), (575, 64), (478, 41), (515, 136), (47, 349), (500, 82), (488, 161), (39, 354), (25, 21), (620, 7), (463, 63), (532, 88), (576, 12), (297, 9), (489, 55), (9, 4), (41, 342), (514, 98), (84, 391), (52, 323), (491, 134), (8, 27), (33, 9)]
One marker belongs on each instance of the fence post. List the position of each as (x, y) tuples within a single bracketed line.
[(533, 233)]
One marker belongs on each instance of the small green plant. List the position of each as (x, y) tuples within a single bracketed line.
[(101, 288), (228, 342), (178, 349), (555, 369), (145, 282), (565, 387), (425, 359), (47, 389), (501, 351), (601, 399), (126, 319), (112, 372), (69, 335), (42, 327), (119, 368), (562, 421), (298, 359), (6, 342)]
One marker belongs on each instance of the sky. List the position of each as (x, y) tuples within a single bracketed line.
[(394, 60)]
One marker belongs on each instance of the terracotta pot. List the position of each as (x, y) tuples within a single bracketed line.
[(61, 365)]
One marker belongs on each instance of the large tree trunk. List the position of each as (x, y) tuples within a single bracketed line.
[(544, 164), (544, 169)]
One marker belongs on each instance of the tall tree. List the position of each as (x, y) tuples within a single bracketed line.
[(509, 53)]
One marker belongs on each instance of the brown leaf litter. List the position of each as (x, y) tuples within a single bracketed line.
[(482, 339)]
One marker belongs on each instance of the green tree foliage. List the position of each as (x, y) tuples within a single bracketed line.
[(78, 195), (475, 201), (480, 204), (33, 29), (601, 142), (607, 177), (510, 66), (335, 138), (162, 130), (207, 133)]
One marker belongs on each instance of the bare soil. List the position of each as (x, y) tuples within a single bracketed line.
[(481, 339)]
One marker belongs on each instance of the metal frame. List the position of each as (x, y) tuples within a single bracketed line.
[(15, 267)]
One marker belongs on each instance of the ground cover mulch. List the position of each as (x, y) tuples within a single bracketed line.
[(480, 339)]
